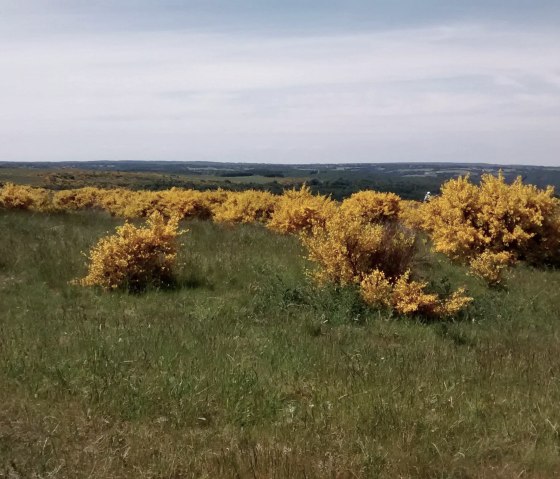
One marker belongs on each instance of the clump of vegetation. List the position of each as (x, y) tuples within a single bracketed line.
[(300, 210), (135, 257), (185, 203), (77, 199), (411, 214), (347, 248), (245, 207), (494, 224), (373, 206), (22, 197), (490, 266), (377, 256), (490, 226), (410, 297)]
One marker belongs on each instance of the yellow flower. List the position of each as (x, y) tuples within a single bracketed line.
[(347, 248), (372, 206), (135, 257), (245, 207), (300, 210), (476, 224)]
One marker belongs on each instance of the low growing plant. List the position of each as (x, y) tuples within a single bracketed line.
[(135, 257)]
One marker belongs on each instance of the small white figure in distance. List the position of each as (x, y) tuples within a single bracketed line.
[(427, 197)]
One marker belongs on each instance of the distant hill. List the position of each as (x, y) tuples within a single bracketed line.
[(410, 180)]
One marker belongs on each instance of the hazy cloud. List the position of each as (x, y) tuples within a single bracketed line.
[(192, 80)]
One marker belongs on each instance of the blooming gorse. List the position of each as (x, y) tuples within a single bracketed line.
[(135, 257), (494, 224)]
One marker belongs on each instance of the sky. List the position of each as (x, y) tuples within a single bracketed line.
[(307, 81)]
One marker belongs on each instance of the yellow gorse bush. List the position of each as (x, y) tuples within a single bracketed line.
[(137, 204), (490, 266), (372, 206), (22, 197), (351, 249), (186, 203), (141, 204), (367, 239), (410, 297), (135, 257), (300, 210), (411, 214), (77, 199), (475, 224), (245, 207), (347, 248), (223, 206), (173, 202)]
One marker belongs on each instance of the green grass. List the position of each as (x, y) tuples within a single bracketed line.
[(67, 178), (245, 370)]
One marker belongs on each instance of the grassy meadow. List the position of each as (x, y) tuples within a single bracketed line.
[(246, 370)]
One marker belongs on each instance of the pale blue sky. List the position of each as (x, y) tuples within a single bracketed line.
[(284, 81)]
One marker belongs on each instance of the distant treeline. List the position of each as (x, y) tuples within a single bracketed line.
[(408, 180)]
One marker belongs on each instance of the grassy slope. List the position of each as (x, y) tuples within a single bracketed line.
[(65, 178), (246, 371)]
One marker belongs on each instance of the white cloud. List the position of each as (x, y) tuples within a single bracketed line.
[(463, 92)]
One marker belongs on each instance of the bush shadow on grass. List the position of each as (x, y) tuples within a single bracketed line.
[(337, 305), (191, 281), (449, 330), (167, 285)]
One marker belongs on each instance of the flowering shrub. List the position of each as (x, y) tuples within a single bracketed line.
[(172, 202), (213, 199), (129, 204), (77, 199), (245, 207), (185, 203), (300, 210), (372, 206), (410, 297), (140, 204), (135, 257), (350, 249), (411, 214), (467, 221), (490, 227), (22, 197), (490, 266), (376, 289), (234, 207), (347, 248)]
